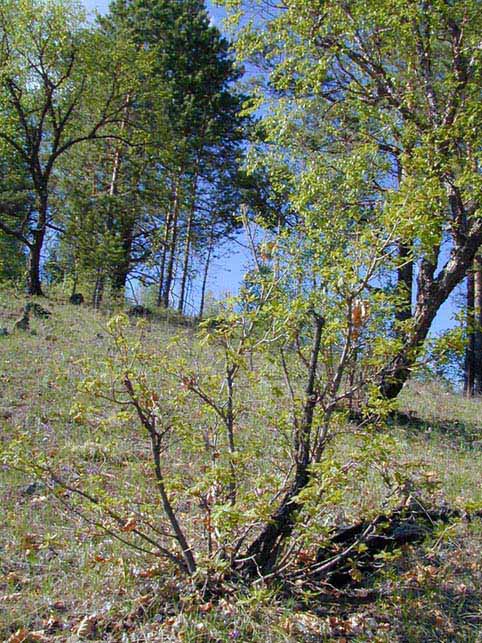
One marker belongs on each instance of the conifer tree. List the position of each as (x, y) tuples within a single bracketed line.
[(191, 113)]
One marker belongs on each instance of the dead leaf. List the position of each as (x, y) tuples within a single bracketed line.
[(206, 607), (150, 572), (38, 636), (51, 625), (6, 598), (130, 525), (19, 636), (86, 627), (60, 606)]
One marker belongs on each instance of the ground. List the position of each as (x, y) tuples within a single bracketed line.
[(65, 579)]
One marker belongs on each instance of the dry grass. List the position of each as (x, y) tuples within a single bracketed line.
[(57, 571)]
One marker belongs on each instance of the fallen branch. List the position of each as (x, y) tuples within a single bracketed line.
[(361, 545)]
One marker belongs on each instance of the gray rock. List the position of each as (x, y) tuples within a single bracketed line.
[(139, 311), (32, 488), (77, 299), (23, 322), (37, 310)]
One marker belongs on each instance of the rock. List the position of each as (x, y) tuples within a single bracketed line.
[(22, 323), (33, 488), (139, 311), (37, 310), (77, 299)]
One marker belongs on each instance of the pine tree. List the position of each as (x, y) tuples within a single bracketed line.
[(192, 115)]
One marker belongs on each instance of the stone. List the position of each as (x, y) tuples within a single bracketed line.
[(33, 488), (77, 299), (139, 311), (22, 323), (37, 310)]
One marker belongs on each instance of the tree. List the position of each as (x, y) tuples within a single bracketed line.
[(397, 82), (473, 352), (61, 84), (231, 439), (14, 198), (12, 258), (192, 114)]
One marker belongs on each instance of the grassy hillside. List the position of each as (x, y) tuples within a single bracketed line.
[(62, 578)]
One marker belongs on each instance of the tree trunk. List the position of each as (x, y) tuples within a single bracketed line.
[(469, 365), (432, 293), (404, 284), (119, 276), (34, 280), (161, 299), (205, 276), (478, 325), (172, 249), (185, 267), (98, 289), (162, 265), (263, 553)]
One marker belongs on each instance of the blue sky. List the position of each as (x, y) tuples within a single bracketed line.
[(100, 5)]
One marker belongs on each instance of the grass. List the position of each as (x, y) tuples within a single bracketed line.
[(65, 579)]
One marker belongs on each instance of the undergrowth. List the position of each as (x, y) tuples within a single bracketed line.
[(63, 578)]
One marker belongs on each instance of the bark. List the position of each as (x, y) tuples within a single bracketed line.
[(149, 423), (98, 290), (171, 250), (168, 508), (185, 266), (433, 291), (34, 280), (404, 526), (263, 553), (229, 421), (469, 366), (205, 276), (404, 284), (167, 247), (478, 326), (405, 277), (119, 277), (162, 265)]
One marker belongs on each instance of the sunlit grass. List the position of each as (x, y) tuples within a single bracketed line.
[(57, 569)]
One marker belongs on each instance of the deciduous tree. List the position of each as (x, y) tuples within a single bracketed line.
[(61, 84)]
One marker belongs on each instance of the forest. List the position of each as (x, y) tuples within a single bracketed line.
[(293, 461)]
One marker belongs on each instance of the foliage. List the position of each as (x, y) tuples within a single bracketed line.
[(225, 457), (371, 110), (61, 85), (308, 372), (60, 569)]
